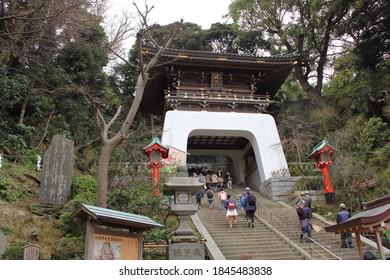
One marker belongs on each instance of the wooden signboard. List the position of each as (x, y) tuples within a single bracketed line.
[(111, 247)]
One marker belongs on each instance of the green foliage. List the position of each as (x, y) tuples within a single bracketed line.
[(14, 185), (5, 230), (83, 184), (10, 193), (84, 191), (309, 183), (371, 21), (158, 234), (44, 89), (225, 38), (221, 37), (16, 142), (69, 248), (14, 252), (375, 133), (290, 91), (190, 37)]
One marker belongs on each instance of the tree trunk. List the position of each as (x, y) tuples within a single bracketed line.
[(109, 145), (313, 93), (23, 109), (104, 161)]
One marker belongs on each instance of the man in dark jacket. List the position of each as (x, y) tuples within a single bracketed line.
[(250, 208), (342, 216), (304, 219)]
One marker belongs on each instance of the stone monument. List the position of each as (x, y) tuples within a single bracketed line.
[(57, 171), (3, 243), (185, 245)]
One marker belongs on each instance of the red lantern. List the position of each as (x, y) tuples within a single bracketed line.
[(157, 152), (322, 153)]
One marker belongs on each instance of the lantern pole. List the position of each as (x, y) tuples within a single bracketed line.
[(157, 152), (321, 154)]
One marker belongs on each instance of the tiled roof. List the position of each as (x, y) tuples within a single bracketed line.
[(157, 141), (225, 60), (375, 218), (324, 143), (115, 218)]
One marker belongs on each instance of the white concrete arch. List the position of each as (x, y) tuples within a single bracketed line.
[(259, 129)]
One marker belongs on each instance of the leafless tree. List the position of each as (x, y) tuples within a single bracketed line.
[(110, 143)]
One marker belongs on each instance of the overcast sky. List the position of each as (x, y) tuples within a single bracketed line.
[(201, 12)]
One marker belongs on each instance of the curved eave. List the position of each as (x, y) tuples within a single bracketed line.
[(277, 69), (374, 219), (228, 61), (114, 218)]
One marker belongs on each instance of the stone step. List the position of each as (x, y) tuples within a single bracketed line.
[(257, 256), (283, 219), (259, 242), (269, 247)]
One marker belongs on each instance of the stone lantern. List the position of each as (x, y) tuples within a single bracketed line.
[(157, 152), (184, 245), (322, 153)]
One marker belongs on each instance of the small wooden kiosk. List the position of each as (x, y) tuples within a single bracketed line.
[(111, 234), (375, 218)]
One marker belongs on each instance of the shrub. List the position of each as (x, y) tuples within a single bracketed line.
[(69, 248), (14, 252)]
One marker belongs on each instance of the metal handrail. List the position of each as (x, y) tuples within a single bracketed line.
[(295, 231)]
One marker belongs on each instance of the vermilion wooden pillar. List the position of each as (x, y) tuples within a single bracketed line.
[(156, 151)]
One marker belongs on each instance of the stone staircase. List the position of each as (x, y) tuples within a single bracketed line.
[(275, 236), (260, 242)]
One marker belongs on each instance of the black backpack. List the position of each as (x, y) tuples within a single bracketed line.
[(251, 200), (210, 194)]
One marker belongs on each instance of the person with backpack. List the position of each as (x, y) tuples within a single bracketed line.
[(199, 197), (250, 208), (210, 198), (214, 182), (222, 195), (231, 210)]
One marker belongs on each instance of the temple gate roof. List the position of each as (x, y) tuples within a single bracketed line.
[(265, 74)]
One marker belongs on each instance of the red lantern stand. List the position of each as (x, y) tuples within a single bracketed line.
[(321, 154), (156, 151)]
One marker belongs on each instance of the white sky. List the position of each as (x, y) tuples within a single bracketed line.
[(201, 12)]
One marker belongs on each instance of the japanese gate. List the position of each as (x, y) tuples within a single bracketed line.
[(215, 104)]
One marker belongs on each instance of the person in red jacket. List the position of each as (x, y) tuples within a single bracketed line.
[(231, 207)]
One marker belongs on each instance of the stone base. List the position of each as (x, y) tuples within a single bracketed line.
[(330, 198), (186, 251)]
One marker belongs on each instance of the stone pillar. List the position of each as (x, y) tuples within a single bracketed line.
[(184, 245), (57, 171), (3, 243)]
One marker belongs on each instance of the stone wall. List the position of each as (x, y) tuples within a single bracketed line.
[(283, 189)]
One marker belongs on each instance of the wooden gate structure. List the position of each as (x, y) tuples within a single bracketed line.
[(215, 104)]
